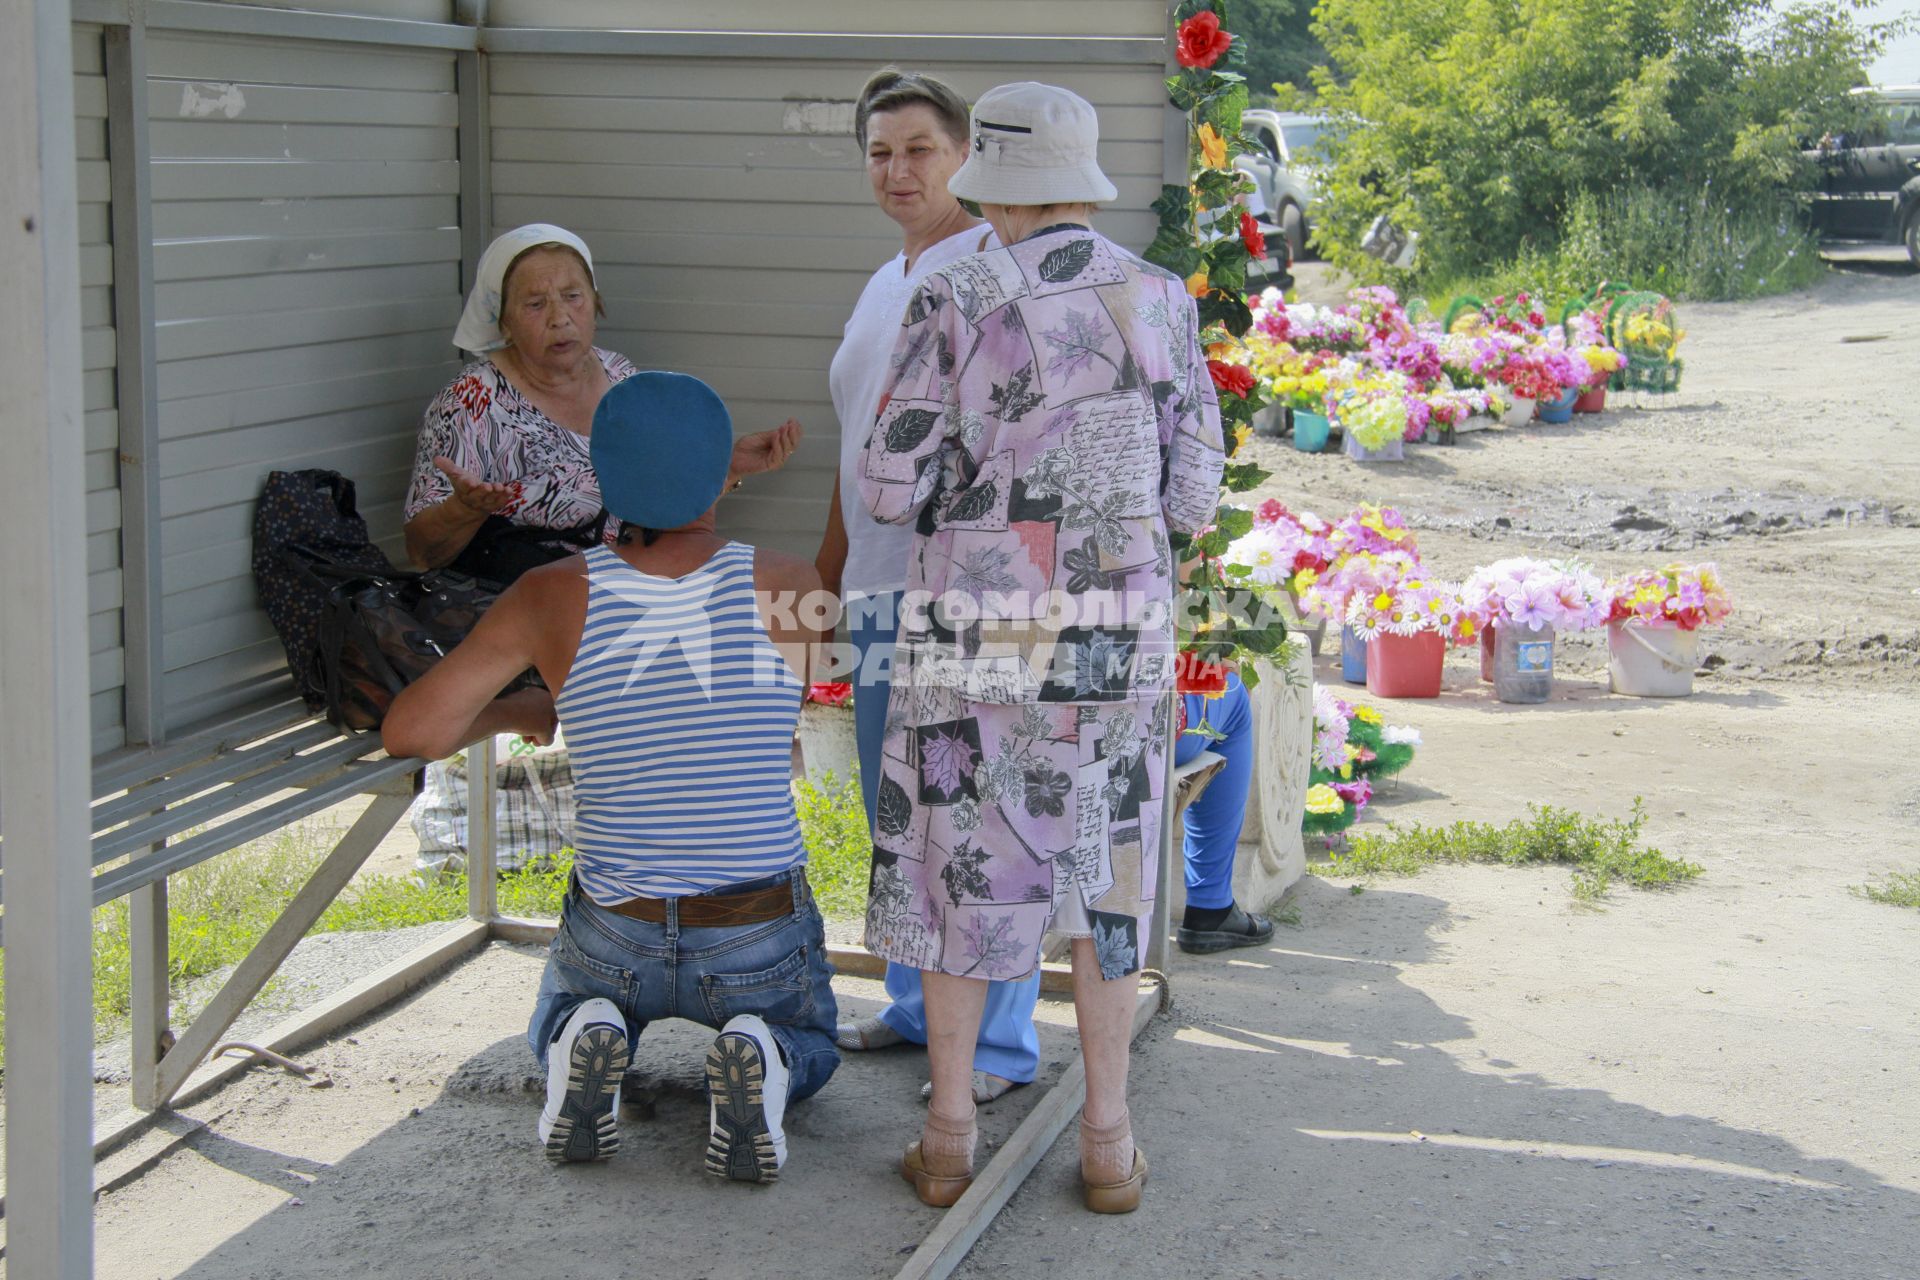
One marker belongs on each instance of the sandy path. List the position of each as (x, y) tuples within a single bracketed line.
[(1715, 1081)]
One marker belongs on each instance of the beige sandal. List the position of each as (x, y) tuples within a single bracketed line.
[(945, 1178), (1103, 1152), (868, 1033), (987, 1087)]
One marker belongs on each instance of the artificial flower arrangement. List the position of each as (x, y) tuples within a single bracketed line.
[(1406, 604), (830, 693), (1371, 410), (1687, 596), (1542, 371), (1352, 747), (1524, 592), (1587, 344)]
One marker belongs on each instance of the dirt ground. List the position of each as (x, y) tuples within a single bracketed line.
[(1458, 1075)]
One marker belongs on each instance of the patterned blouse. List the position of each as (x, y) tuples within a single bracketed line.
[(487, 427), (1049, 419)]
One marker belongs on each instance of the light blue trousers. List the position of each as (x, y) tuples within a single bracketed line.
[(1009, 1046)]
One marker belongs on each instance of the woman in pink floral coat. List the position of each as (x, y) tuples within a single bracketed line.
[(1050, 420)]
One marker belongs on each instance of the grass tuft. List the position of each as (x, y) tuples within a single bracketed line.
[(1600, 851), (833, 822), (1900, 889)]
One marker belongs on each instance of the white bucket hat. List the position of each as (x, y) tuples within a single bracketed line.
[(1033, 144)]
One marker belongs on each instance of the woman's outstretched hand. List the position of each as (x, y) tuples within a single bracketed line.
[(764, 450), (475, 494)]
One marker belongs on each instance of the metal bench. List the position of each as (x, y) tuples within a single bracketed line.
[(160, 810)]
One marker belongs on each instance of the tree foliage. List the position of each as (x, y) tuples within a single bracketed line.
[(1281, 46), (1481, 124)]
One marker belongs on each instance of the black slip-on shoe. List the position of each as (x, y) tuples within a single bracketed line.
[(1241, 929)]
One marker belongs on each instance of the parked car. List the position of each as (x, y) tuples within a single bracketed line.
[(1870, 183), (1284, 170)]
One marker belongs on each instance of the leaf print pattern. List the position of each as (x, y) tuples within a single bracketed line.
[(975, 503), (1014, 401), (1033, 723), (895, 808), (962, 874), (991, 942), (1076, 343), (1046, 791), (1083, 564), (1047, 475), (947, 760), (1121, 741), (909, 429), (1066, 262), (985, 570), (1106, 521), (1098, 664), (1114, 944)]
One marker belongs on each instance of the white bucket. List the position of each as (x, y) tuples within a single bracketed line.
[(1646, 661), (1519, 413)]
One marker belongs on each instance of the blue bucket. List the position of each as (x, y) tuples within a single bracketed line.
[(1353, 656), (1559, 409), (1310, 431)]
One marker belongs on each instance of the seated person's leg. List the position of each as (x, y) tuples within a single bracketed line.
[(1213, 922)]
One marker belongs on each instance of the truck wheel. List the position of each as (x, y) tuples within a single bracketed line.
[(1293, 225)]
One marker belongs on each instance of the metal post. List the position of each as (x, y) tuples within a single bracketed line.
[(129, 158), (476, 182), (482, 866), (151, 1012), (1160, 920), (46, 752)]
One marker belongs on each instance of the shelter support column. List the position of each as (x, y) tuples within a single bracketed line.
[(45, 755)]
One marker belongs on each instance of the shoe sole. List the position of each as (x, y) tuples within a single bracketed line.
[(588, 1127), (1198, 942), (739, 1142)]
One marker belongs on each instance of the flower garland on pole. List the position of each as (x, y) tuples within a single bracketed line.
[(1207, 238)]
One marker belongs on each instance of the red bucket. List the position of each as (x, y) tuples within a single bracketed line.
[(1405, 666), (1592, 401)]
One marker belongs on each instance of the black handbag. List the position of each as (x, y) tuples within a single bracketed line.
[(501, 550)]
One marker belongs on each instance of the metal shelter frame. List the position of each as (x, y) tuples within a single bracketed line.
[(164, 803)]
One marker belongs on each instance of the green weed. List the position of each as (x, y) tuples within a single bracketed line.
[(1600, 851), (833, 822), (1900, 889)]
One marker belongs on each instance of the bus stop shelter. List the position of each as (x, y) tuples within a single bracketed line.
[(237, 237)]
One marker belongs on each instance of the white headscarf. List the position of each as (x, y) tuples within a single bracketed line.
[(479, 327)]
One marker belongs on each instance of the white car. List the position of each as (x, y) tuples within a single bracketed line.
[(1283, 170)]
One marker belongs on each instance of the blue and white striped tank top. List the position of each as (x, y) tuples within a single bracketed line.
[(679, 715)]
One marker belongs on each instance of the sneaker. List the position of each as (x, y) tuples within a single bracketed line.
[(1240, 929), (746, 1099), (585, 1065)]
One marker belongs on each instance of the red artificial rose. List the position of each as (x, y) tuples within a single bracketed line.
[(1250, 236), (1236, 378), (830, 693), (1201, 41), (1195, 674)]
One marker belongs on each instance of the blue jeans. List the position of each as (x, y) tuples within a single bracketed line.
[(777, 969), (1008, 1046), (1213, 820)]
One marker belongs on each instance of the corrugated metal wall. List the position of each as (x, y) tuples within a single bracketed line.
[(105, 633), (307, 255), (307, 279), (730, 237)]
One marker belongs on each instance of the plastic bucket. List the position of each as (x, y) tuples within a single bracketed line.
[(1592, 400), (1353, 656), (1522, 663), (1310, 431), (1651, 661), (1392, 451), (1559, 409), (1267, 422), (1519, 413), (1405, 666)]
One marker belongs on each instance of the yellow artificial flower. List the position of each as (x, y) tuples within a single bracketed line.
[(1323, 799), (1197, 283), (1305, 579), (1213, 147), (1241, 434), (1368, 714)]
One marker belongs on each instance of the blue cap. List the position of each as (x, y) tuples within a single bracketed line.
[(661, 446)]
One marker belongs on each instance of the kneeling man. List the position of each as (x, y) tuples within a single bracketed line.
[(679, 687)]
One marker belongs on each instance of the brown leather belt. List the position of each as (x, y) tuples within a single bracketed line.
[(714, 910)]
